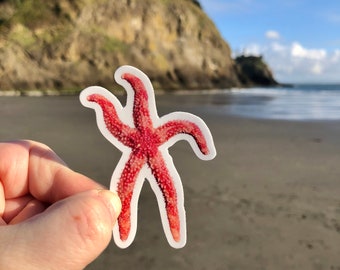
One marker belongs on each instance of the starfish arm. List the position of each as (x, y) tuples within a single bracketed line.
[(115, 126), (125, 188), (140, 111), (176, 127), (165, 182)]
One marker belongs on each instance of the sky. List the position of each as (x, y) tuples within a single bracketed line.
[(298, 39)]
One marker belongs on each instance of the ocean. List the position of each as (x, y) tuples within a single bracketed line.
[(299, 102), (295, 102)]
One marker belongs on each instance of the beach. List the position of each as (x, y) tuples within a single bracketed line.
[(269, 200)]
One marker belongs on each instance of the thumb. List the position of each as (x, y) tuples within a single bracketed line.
[(68, 235)]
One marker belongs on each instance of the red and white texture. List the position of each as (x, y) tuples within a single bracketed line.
[(144, 139)]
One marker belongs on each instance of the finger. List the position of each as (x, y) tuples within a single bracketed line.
[(2, 199), (50, 180), (68, 235), (32, 208), (32, 167), (14, 158), (14, 206), (2, 222)]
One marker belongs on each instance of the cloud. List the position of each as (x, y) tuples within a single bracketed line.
[(317, 69), (272, 34), (252, 49), (296, 63), (298, 51), (277, 47), (336, 56)]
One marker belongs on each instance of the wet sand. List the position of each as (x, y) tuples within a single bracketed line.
[(270, 199)]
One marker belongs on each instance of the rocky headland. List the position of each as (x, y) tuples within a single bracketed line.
[(71, 44)]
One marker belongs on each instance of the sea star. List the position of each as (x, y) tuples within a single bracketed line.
[(144, 139)]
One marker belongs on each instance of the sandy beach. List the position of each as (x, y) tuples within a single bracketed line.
[(269, 200)]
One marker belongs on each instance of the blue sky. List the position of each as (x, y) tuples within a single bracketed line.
[(299, 39)]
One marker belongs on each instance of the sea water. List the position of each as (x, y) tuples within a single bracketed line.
[(295, 102)]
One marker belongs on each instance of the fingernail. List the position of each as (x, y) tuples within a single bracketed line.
[(113, 203)]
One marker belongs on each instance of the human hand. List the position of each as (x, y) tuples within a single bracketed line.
[(50, 216)]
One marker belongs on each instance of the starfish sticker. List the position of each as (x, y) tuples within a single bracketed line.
[(144, 139)]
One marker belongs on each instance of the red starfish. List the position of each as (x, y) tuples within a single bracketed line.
[(144, 139)]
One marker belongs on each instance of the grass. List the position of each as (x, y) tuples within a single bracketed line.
[(32, 13), (109, 43), (36, 13), (112, 44), (22, 36)]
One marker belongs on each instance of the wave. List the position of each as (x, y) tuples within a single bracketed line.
[(299, 102)]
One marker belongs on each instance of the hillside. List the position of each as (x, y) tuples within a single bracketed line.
[(71, 44)]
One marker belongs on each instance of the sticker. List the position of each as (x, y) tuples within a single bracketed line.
[(144, 139)]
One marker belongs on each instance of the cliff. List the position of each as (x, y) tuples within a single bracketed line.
[(71, 44)]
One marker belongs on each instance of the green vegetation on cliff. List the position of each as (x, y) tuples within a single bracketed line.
[(70, 44)]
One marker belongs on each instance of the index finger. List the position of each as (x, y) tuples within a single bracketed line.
[(28, 167)]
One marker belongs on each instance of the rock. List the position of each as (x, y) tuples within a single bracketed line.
[(71, 44), (254, 72)]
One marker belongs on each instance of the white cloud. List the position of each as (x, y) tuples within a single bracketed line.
[(272, 34), (317, 69), (298, 51), (277, 47), (336, 56), (252, 49), (296, 63)]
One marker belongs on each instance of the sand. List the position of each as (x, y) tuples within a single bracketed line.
[(270, 199)]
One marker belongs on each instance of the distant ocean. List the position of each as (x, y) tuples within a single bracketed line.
[(295, 102)]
